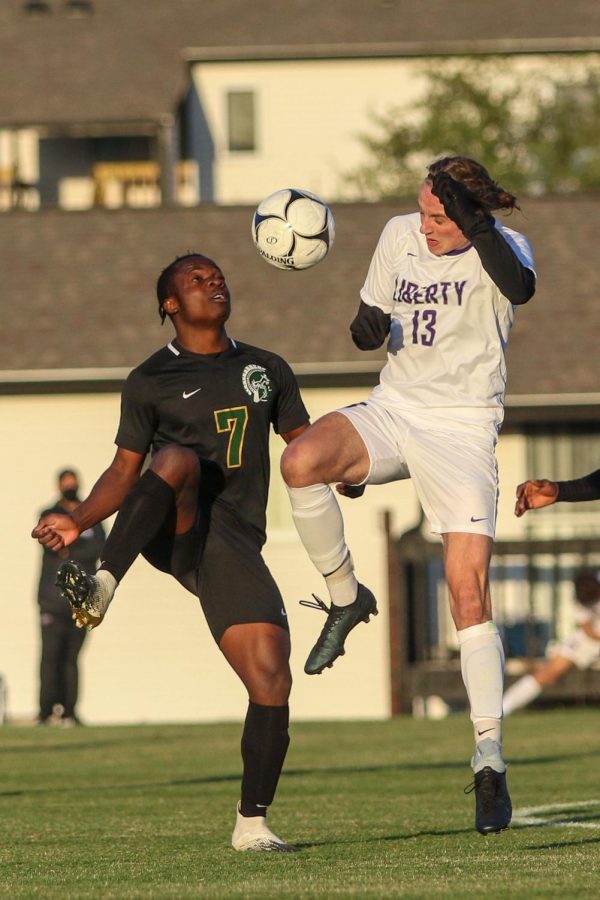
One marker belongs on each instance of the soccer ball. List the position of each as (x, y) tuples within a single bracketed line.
[(293, 229)]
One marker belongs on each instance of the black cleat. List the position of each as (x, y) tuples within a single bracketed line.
[(493, 809), (83, 594), (340, 622)]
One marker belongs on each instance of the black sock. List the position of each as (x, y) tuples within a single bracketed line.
[(141, 515), (264, 744)]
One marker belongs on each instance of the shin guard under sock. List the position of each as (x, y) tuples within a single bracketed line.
[(265, 740), (320, 526), (482, 665), (141, 515)]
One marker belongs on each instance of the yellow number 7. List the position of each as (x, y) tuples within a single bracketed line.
[(233, 420)]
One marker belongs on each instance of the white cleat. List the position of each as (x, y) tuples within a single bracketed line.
[(252, 833)]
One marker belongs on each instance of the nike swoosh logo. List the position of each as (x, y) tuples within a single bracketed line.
[(483, 518), (187, 394), (283, 613), (484, 732)]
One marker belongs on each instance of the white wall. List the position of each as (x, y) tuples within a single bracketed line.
[(309, 114), (153, 659)]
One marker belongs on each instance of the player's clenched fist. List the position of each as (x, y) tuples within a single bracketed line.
[(55, 531), (535, 494)]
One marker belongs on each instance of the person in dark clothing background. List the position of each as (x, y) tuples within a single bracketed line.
[(61, 640)]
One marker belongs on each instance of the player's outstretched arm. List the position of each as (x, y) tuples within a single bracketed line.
[(580, 489), (55, 531), (535, 494), (289, 436)]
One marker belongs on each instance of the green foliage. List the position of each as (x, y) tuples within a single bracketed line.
[(377, 809), (534, 133)]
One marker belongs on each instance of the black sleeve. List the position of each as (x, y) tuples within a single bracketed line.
[(138, 415), (370, 327), (514, 280), (289, 411), (586, 488)]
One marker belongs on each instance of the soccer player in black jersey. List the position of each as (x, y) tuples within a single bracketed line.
[(202, 407)]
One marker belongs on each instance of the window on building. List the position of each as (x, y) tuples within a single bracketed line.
[(241, 125), (36, 8), (79, 9)]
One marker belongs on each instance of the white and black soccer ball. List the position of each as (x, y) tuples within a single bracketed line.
[(293, 229)]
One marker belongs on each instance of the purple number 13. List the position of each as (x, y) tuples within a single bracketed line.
[(427, 321)]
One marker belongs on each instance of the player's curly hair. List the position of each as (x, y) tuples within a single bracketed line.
[(164, 285), (488, 194)]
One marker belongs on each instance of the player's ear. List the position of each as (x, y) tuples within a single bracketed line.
[(170, 306)]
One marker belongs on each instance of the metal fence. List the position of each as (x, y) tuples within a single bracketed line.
[(532, 594)]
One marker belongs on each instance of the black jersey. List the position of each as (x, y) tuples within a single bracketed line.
[(222, 405)]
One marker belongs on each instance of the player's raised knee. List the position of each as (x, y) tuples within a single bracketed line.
[(297, 468), (174, 454), (174, 459)]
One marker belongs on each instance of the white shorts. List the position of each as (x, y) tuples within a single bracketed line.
[(454, 472), (581, 649)]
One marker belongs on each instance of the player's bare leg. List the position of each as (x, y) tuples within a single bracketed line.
[(466, 561), (169, 485), (329, 451), (259, 654)]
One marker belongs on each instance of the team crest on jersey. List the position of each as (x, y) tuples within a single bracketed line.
[(256, 383)]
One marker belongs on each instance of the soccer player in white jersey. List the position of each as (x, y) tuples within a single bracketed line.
[(580, 649), (442, 288)]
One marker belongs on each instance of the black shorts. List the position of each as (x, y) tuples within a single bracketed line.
[(222, 565)]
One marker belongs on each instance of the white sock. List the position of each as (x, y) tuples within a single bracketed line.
[(521, 693), (105, 590), (342, 584), (319, 523), (482, 666)]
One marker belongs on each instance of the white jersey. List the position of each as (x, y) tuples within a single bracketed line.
[(580, 648), (588, 614), (449, 328)]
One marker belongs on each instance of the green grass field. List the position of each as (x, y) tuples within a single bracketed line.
[(377, 808)]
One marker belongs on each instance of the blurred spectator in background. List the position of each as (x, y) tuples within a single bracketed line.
[(581, 649), (61, 640)]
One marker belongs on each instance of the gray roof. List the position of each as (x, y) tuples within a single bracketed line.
[(77, 290), (127, 61)]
